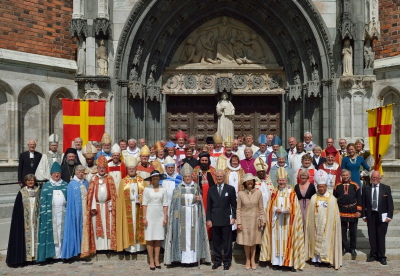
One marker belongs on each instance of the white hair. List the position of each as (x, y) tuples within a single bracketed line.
[(132, 140), (308, 133), (248, 148)]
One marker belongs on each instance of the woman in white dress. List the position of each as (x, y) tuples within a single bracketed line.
[(155, 210)]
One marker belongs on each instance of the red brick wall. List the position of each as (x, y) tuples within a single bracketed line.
[(37, 27), (389, 15)]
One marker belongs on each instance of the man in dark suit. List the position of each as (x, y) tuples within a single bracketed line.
[(221, 215), (377, 211), (28, 162)]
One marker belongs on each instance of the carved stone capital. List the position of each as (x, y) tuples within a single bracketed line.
[(78, 27), (136, 89), (294, 92), (102, 25), (313, 89), (359, 82), (327, 82), (122, 83)]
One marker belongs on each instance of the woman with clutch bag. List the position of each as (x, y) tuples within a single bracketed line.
[(250, 219)]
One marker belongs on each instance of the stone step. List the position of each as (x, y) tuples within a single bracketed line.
[(391, 242), (393, 231), (6, 210)]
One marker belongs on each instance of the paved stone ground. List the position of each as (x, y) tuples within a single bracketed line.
[(137, 265)]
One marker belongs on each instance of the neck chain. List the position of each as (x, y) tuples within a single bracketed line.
[(71, 175), (247, 163), (353, 161)]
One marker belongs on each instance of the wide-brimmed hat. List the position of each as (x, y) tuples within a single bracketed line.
[(248, 176), (155, 173)]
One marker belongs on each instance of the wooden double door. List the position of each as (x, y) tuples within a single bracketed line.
[(196, 115)]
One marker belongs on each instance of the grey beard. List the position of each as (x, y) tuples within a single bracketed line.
[(71, 163)]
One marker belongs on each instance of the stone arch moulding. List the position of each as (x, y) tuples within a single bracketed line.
[(32, 117), (292, 29), (7, 122), (168, 23)]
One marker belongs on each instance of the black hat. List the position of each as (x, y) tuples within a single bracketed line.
[(209, 140), (154, 173)]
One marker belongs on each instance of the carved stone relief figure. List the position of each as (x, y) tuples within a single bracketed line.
[(368, 56), (81, 58), (223, 45), (224, 41), (226, 114), (347, 54), (102, 59)]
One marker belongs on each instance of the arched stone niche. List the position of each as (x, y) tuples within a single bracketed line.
[(7, 111), (31, 106), (392, 95)]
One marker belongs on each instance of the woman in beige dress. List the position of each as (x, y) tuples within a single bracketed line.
[(250, 219)]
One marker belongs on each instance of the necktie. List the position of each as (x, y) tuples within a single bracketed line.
[(291, 151), (374, 199), (219, 190)]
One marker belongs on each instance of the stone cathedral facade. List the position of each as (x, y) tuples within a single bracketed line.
[(288, 67)]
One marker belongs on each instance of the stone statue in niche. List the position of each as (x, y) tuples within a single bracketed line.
[(347, 54), (369, 56), (102, 59), (226, 114), (81, 58)]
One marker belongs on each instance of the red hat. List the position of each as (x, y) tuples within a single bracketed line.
[(180, 134), (330, 151), (192, 139)]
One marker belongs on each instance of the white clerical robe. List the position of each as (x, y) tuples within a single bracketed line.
[(102, 243), (116, 175), (134, 197), (58, 206), (296, 164), (190, 256)]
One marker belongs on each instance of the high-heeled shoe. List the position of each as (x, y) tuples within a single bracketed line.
[(152, 268), (157, 266)]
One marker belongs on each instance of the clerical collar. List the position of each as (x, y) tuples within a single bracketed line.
[(179, 147), (215, 150), (136, 150), (101, 176), (173, 175), (132, 177), (324, 195), (234, 169), (188, 185), (228, 155), (55, 183), (78, 180), (277, 165), (161, 160)]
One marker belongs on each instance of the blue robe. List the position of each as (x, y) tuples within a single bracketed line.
[(46, 249), (73, 220), (102, 153)]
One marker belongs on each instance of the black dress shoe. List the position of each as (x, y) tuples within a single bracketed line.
[(226, 267), (344, 251), (293, 269), (353, 254), (371, 259), (215, 266), (316, 264), (276, 267), (383, 262), (152, 268)]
